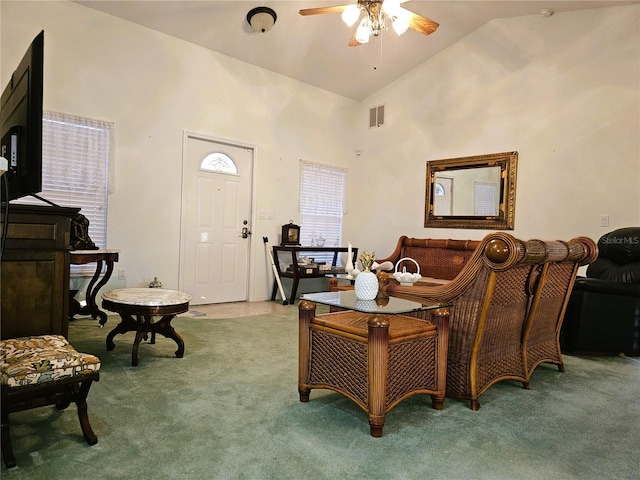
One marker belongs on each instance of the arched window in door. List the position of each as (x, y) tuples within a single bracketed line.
[(220, 163)]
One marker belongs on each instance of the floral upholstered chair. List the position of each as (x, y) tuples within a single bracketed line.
[(44, 370)]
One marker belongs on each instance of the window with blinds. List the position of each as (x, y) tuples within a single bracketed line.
[(486, 199), (75, 161), (322, 189)]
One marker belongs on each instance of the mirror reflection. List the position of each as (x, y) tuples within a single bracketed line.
[(470, 191)]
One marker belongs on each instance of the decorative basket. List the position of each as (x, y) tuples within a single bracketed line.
[(404, 277)]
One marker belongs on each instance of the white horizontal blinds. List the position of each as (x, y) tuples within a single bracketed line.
[(485, 199), (75, 158), (322, 190), (75, 167)]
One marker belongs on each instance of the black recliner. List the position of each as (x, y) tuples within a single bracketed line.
[(603, 314)]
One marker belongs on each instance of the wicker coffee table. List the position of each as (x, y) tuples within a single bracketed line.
[(377, 352), (144, 304)]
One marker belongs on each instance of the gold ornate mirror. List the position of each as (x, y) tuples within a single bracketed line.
[(472, 192)]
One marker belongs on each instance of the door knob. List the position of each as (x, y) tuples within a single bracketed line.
[(245, 230)]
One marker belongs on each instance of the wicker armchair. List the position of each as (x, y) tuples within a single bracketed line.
[(508, 304)]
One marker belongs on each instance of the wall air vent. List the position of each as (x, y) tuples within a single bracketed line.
[(376, 116)]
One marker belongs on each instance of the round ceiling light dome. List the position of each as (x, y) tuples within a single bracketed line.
[(261, 19)]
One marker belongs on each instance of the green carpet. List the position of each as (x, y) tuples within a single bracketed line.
[(229, 410)]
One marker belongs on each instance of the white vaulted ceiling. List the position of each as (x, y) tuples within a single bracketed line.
[(313, 49)]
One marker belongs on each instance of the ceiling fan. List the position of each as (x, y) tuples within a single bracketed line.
[(374, 20)]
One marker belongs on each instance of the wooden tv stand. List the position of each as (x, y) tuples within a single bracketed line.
[(34, 277)]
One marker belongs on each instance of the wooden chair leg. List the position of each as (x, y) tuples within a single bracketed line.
[(69, 395), (81, 403), (7, 448)]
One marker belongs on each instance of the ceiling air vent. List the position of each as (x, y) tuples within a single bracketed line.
[(376, 116)]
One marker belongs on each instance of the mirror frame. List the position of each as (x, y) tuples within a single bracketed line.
[(508, 163)]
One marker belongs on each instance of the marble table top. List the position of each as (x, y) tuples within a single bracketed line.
[(147, 297)]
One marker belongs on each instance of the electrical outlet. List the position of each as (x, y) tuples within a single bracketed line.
[(604, 220), (122, 273)]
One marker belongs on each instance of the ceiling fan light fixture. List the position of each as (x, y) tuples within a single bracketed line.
[(364, 31), (261, 19), (376, 18), (350, 15), (400, 23), (391, 7)]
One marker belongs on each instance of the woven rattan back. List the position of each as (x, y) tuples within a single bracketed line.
[(541, 338), (437, 258), (437, 262)]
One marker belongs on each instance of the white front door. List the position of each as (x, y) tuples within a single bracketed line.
[(216, 220)]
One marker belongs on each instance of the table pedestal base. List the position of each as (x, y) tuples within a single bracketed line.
[(144, 325)]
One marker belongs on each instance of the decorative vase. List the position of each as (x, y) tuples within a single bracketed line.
[(366, 286), (349, 266)]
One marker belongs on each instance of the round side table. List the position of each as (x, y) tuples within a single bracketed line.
[(137, 307)]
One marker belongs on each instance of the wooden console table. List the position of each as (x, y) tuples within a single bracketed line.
[(100, 257), (297, 273)]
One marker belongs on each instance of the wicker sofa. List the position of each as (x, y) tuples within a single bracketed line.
[(439, 259), (508, 304)]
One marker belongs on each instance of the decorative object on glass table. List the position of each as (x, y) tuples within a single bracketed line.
[(404, 277), (366, 284), (382, 266), (156, 283), (349, 266)]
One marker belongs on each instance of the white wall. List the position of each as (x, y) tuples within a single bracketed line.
[(563, 91), (154, 87)]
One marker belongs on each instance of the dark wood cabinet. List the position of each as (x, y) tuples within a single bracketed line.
[(34, 275)]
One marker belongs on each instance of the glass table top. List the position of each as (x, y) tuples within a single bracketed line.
[(391, 305)]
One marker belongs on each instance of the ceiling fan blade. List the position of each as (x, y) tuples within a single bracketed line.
[(353, 42), (319, 10), (422, 24)]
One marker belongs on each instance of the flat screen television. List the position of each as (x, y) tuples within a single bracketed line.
[(21, 125)]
